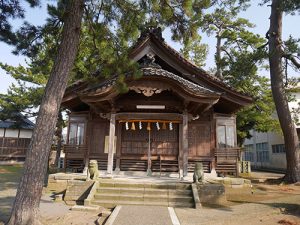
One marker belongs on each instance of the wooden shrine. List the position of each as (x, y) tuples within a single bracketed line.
[(176, 114)]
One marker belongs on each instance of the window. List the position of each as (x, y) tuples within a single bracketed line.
[(248, 147), (248, 154), (226, 135), (262, 146), (262, 152), (76, 133), (278, 148)]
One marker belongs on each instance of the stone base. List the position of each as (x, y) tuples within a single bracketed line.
[(85, 208), (77, 191), (149, 172), (213, 194)]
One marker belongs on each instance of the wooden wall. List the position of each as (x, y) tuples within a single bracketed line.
[(97, 130), (14, 142), (202, 136), (163, 142)]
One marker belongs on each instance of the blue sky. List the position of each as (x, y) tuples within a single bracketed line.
[(256, 14)]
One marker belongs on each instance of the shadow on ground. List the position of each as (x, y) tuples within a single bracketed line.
[(9, 179), (5, 207)]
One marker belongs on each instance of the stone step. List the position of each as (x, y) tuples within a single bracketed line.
[(154, 191), (158, 198), (113, 190), (119, 197), (145, 197), (111, 193), (112, 204), (179, 186)]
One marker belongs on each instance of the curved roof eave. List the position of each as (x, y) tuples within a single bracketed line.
[(193, 69)]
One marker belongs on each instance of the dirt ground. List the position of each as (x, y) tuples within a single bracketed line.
[(266, 202)]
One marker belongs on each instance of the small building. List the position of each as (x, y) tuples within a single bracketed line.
[(174, 115), (15, 136)]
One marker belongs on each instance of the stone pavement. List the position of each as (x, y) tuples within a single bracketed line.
[(143, 215)]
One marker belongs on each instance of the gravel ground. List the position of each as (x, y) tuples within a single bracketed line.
[(263, 204), (140, 215), (264, 213)]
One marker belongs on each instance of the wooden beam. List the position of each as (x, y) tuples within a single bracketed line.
[(137, 116), (111, 142)]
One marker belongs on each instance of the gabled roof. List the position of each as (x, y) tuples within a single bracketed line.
[(21, 122), (151, 40), (166, 63)]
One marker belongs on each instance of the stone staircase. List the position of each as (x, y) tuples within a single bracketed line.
[(110, 194)]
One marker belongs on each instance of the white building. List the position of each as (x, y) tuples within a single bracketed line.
[(266, 150)]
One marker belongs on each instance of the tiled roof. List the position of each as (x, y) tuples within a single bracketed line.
[(22, 122), (153, 33), (154, 71)]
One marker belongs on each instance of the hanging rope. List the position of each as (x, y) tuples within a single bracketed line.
[(150, 121)]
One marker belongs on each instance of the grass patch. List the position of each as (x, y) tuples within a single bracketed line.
[(10, 173)]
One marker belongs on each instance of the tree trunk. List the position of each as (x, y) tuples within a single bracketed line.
[(280, 97), (26, 206), (218, 56), (59, 130)]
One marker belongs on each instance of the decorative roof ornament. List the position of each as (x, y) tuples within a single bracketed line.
[(156, 31), (149, 61)]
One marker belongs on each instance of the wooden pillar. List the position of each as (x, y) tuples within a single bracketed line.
[(149, 172), (180, 156), (185, 143), (118, 147), (111, 143), (87, 141)]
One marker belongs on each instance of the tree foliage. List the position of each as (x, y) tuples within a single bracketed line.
[(239, 58), (109, 28)]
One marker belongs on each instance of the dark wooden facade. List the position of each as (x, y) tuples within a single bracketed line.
[(173, 116)]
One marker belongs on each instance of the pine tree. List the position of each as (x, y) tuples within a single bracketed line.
[(277, 53), (238, 59), (26, 206)]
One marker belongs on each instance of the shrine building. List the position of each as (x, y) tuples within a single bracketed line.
[(174, 115)]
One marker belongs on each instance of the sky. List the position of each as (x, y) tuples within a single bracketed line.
[(256, 14)]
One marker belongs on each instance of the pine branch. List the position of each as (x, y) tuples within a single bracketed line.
[(293, 59)]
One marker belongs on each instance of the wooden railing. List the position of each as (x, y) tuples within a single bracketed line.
[(227, 154), (227, 159), (75, 151)]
